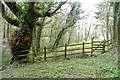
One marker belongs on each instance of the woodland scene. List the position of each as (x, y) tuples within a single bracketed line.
[(59, 39)]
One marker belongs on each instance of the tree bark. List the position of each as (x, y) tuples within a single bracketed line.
[(39, 32), (20, 42), (115, 10), (22, 39), (107, 20), (118, 28)]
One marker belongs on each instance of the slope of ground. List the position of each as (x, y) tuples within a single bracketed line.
[(103, 66)]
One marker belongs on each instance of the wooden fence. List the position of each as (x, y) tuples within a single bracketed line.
[(93, 46)]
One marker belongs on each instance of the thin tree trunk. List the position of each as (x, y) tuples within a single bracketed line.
[(118, 28), (8, 31), (78, 37), (88, 33), (103, 34), (85, 34), (59, 37), (70, 33), (115, 10), (107, 20), (34, 40), (4, 31), (39, 32), (51, 31)]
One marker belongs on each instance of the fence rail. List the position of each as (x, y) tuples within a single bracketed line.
[(95, 46)]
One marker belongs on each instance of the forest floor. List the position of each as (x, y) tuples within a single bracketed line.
[(103, 66)]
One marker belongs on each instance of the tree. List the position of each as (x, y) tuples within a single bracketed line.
[(117, 19), (107, 20), (115, 10), (26, 16), (72, 18), (104, 9)]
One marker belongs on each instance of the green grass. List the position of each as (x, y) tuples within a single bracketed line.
[(103, 66)]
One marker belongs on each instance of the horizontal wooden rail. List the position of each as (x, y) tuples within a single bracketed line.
[(97, 44), (78, 44), (73, 49), (87, 48), (98, 47), (25, 55), (30, 50), (87, 43), (55, 47), (74, 44), (97, 51), (96, 41), (87, 52)]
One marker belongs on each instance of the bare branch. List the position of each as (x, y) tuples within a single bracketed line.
[(83, 17), (59, 6), (49, 14)]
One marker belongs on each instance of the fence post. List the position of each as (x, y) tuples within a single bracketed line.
[(44, 53), (83, 48), (65, 50), (33, 57), (92, 46), (104, 45)]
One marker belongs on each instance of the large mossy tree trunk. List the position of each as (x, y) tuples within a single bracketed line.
[(20, 42), (22, 38)]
